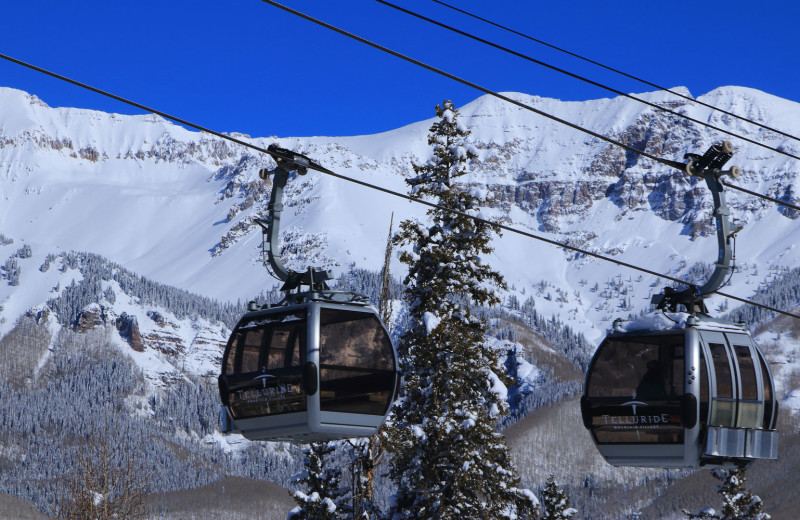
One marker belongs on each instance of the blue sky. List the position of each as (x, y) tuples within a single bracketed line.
[(246, 66)]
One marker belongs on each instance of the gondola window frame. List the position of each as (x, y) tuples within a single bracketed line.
[(246, 382), (721, 403), (751, 411)]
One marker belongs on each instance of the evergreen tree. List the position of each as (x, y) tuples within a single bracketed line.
[(555, 502), (737, 502), (448, 459), (323, 497)]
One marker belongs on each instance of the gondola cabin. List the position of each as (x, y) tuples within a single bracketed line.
[(308, 372), (699, 395)]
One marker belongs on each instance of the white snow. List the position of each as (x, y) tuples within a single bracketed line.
[(118, 186), (496, 386), (653, 321), (431, 321)]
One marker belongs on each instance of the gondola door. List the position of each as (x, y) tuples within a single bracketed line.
[(357, 371), (741, 404), (637, 400)]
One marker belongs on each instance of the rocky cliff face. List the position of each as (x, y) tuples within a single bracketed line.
[(631, 183), (180, 206), (167, 348)]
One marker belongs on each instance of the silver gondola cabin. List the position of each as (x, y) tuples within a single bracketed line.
[(319, 366), (697, 393)]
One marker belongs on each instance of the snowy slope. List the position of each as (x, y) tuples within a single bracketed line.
[(177, 206)]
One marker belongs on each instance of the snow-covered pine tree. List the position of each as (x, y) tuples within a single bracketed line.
[(555, 502), (448, 459), (737, 502), (324, 494)]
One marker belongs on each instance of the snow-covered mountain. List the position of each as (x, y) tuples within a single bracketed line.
[(124, 204), (178, 206)]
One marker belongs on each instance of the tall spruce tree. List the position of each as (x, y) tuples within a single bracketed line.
[(737, 502), (364, 458), (448, 459), (555, 502)]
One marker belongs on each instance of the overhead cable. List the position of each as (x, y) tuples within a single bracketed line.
[(584, 79), (314, 166), (616, 71), (761, 196), (149, 109), (672, 164)]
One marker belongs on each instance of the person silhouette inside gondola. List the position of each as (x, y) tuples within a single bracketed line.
[(654, 382)]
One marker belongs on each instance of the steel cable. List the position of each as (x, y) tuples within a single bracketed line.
[(616, 71), (584, 79), (314, 166), (672, 164)]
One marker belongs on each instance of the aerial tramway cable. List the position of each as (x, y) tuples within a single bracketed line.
[(584, 79), (617, 71), (666, 162), (279, 154)]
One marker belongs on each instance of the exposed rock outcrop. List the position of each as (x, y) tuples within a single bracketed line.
[(128, 327)]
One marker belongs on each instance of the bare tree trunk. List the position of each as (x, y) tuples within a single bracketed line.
[(108, 482), (385, 303)]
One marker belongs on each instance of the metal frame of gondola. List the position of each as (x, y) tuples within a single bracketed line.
[(748, 433), (305, 291)]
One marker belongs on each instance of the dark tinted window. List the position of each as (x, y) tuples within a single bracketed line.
[(747, 372), (356, 363), (704, 389), (354, 339), (267, 343), (722, 369), (263, 366), (649, 367), (250, 346), (634, 390), (768, 397), (724, 409), (282, 349), (229, 358)]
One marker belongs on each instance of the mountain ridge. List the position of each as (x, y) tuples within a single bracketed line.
[(146, 199)]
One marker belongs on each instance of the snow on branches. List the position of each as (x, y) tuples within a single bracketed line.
[(448, 459), (737, 502)]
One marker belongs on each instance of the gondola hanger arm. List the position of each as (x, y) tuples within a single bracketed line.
[(287, 161), (708, 167)]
